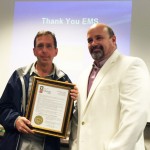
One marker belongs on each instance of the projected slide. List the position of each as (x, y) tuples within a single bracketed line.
[(69, 20)]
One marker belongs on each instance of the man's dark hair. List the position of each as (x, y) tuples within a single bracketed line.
[(110, 31), (41, 33)]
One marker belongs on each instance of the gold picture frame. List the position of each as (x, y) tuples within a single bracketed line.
[(50, 107)]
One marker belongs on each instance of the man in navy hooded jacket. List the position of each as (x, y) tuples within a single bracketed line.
[(18, 134)]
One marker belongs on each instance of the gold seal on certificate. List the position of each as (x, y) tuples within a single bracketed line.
[(38, 120)]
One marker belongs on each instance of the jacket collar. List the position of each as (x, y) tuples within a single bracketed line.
[(57, 74)]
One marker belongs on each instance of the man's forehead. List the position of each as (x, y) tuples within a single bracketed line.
[(97, 33), (44, 37)]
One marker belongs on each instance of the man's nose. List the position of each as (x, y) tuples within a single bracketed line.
[(45, 48), (94, 42)]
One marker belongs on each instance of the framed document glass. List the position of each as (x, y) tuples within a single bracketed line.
[(50, 106)]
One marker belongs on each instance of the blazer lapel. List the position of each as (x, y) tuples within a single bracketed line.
[(106, 67)]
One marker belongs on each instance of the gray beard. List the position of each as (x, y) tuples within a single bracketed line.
[(97, 55)]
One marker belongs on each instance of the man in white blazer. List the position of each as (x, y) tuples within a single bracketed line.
[(113, 112)]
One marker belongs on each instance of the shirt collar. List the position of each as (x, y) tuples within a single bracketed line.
[(34, 71), (99, 64)]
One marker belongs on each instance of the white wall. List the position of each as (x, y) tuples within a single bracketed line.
[(6, 15), (140, 30)]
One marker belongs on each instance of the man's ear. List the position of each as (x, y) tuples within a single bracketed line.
[(56, 52), (34, 51), (114, 38)]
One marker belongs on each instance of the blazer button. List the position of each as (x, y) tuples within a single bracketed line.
[(83, 122)]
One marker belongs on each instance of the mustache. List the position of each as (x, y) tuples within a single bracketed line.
[(96, 47)]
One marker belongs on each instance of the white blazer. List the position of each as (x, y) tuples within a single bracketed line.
[(114, 114)]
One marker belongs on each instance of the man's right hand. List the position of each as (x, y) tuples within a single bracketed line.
[(23, 125)]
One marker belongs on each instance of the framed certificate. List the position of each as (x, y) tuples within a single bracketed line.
[(50, 107)]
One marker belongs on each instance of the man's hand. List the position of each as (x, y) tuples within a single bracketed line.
[(23, 125), (74, 93)]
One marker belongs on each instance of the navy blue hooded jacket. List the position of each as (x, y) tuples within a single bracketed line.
[(10, 109)]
